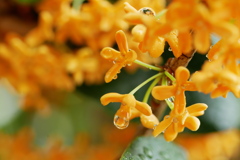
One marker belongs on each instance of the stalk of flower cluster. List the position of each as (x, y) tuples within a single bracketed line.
[(145, 82), (147, 65)]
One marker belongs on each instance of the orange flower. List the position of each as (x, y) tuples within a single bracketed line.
[(217, 78), (177, 90), (192, 15), (129, 109), (120, 59), (144, 32), (175, 123)]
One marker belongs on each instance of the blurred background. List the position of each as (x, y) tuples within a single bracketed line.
[(52, 78)]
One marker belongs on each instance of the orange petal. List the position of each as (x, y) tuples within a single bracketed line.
[(220, 91), (179, 103), (111, 54), (185, 41), (128, 8), (130, 57), (122, 42), (170, 133), (139, 32), (162, 125), (156, 47), (172, 39), (163, 92), (111, 97), (144, 108), (201, 40), (134, 113), (149, 121), (135, 18), (112, 72), (129, 100), (190, 86), (215, 50), (192, 123), (198, 107), (182, 75)]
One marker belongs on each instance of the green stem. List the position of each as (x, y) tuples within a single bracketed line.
[(147, 65), (160, 14), (169, 76), (145, 82), (147, 94), (77, 4), (168, 100)]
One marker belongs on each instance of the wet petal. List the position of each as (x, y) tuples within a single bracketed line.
[(170, 133), (163, 92), (139, 32), (129, 100), (149, 121), (198, 107), (112, 72), (130, 57), (134, 113), (144, 108), (111, 97), (122, 42), (214, 51), (182, 75), (192, 123), (190, 86), (162, 125), (180, 103), (111, 54), (172, 39), (156, 47)]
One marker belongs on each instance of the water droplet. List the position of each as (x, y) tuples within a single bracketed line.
[(114, 62), (166, 117), (175, 120), (170, 49), (164, 155), (142, 157), (147, 152), (129, 64), (121, 122), (115, 77), (148, 11), (154, 126)]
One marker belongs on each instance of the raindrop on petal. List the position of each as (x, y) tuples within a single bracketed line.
[(120, 122), (170, 49)]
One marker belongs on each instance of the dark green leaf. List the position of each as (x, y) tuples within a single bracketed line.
[(150, 148)]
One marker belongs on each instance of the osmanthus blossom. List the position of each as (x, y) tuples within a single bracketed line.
[(130, 108), (176, 90), (144, 31), (174, 123), (185, 15), (216, 79), (120, 58)]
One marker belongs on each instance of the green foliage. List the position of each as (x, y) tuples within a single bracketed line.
[(150, 148)]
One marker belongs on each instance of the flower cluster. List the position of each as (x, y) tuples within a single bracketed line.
[(187, 27)]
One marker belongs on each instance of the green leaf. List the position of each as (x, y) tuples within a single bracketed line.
[(150, 148)]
